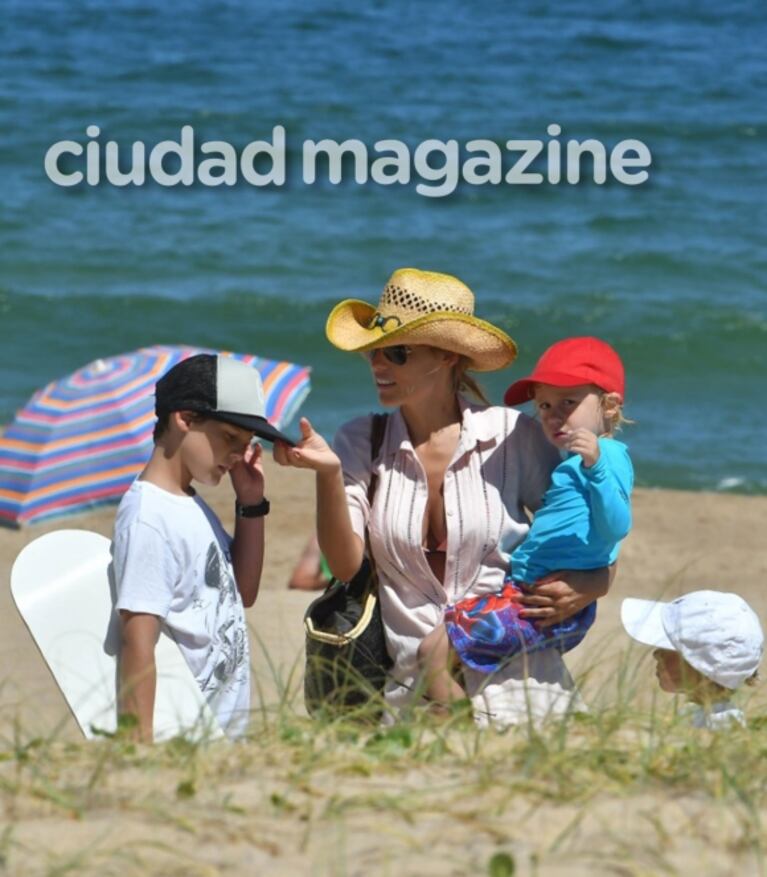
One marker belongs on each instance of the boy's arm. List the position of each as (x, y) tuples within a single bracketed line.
[(248, 543), (138, 675), (248, 556)]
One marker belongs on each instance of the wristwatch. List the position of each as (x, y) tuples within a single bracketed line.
[(252, 511)]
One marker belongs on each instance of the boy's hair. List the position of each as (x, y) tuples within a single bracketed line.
[(160, 426), (163, 422), (184, 381), (183, 387)]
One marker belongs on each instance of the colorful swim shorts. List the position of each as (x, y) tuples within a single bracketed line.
[(487, 631)]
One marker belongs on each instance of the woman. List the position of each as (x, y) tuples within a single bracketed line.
[(454, 479)]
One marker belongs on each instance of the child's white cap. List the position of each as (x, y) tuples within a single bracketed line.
[(716, 633)]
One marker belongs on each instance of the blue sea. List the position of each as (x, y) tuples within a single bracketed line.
[(672, 272)]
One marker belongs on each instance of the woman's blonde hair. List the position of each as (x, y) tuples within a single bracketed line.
[(466, 383)]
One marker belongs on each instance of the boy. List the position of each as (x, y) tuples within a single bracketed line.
[(707, 643), (174, 565), (578, 386)]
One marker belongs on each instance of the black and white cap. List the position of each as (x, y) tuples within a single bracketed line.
[(219, 387)]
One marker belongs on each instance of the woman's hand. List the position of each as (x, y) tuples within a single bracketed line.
[(561, 594), (248, 476), (312, 452)]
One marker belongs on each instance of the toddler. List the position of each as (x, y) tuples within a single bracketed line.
[(707, 643), (578, 388)]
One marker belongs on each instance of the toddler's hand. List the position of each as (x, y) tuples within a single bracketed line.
[(583, 441)]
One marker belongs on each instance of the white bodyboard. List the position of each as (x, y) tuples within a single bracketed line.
[(61, 586)]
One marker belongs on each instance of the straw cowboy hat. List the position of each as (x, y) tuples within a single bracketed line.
[(421, 307)]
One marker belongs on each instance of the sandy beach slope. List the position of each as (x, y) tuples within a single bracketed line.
[(296, 801)]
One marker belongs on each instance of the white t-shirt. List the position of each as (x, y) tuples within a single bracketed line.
[(717, 717), (172, 559)]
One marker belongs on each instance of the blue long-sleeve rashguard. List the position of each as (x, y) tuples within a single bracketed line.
[(584, 516)]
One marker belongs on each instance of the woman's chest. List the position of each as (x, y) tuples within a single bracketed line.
[(434, 524), (461, 513)]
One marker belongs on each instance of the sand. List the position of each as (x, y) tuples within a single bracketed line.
[(680, 542)]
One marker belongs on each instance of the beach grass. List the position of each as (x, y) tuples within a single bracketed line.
[(628, 788)]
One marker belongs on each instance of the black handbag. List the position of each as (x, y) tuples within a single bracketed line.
[(346, 657)]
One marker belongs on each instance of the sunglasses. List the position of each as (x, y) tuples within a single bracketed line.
[(396, 355)]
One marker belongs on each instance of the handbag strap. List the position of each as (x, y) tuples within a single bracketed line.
[(377, 433)]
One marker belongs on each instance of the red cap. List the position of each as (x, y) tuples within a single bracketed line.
[(569, 363)]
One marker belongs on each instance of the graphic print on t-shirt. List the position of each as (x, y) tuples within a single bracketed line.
[(228, 638), (217, 575), (233, 650)]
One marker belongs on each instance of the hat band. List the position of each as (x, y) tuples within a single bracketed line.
[(379, 321), (407, 299)]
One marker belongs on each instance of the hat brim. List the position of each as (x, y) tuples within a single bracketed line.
[(523, 390), (259, 426), (519, 392), (486, 347), (643, 621)]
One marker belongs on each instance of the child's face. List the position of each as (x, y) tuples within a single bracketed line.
[(211, 448), (565, 409), (674, 674)]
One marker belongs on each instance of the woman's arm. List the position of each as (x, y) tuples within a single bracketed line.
[(342, 547), (563, 593)]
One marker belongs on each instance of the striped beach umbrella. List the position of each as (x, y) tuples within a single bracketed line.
[(82, 440)]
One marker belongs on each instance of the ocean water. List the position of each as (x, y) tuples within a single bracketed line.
[(671, 272)]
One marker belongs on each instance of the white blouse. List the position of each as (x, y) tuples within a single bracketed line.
[(502, 463)]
